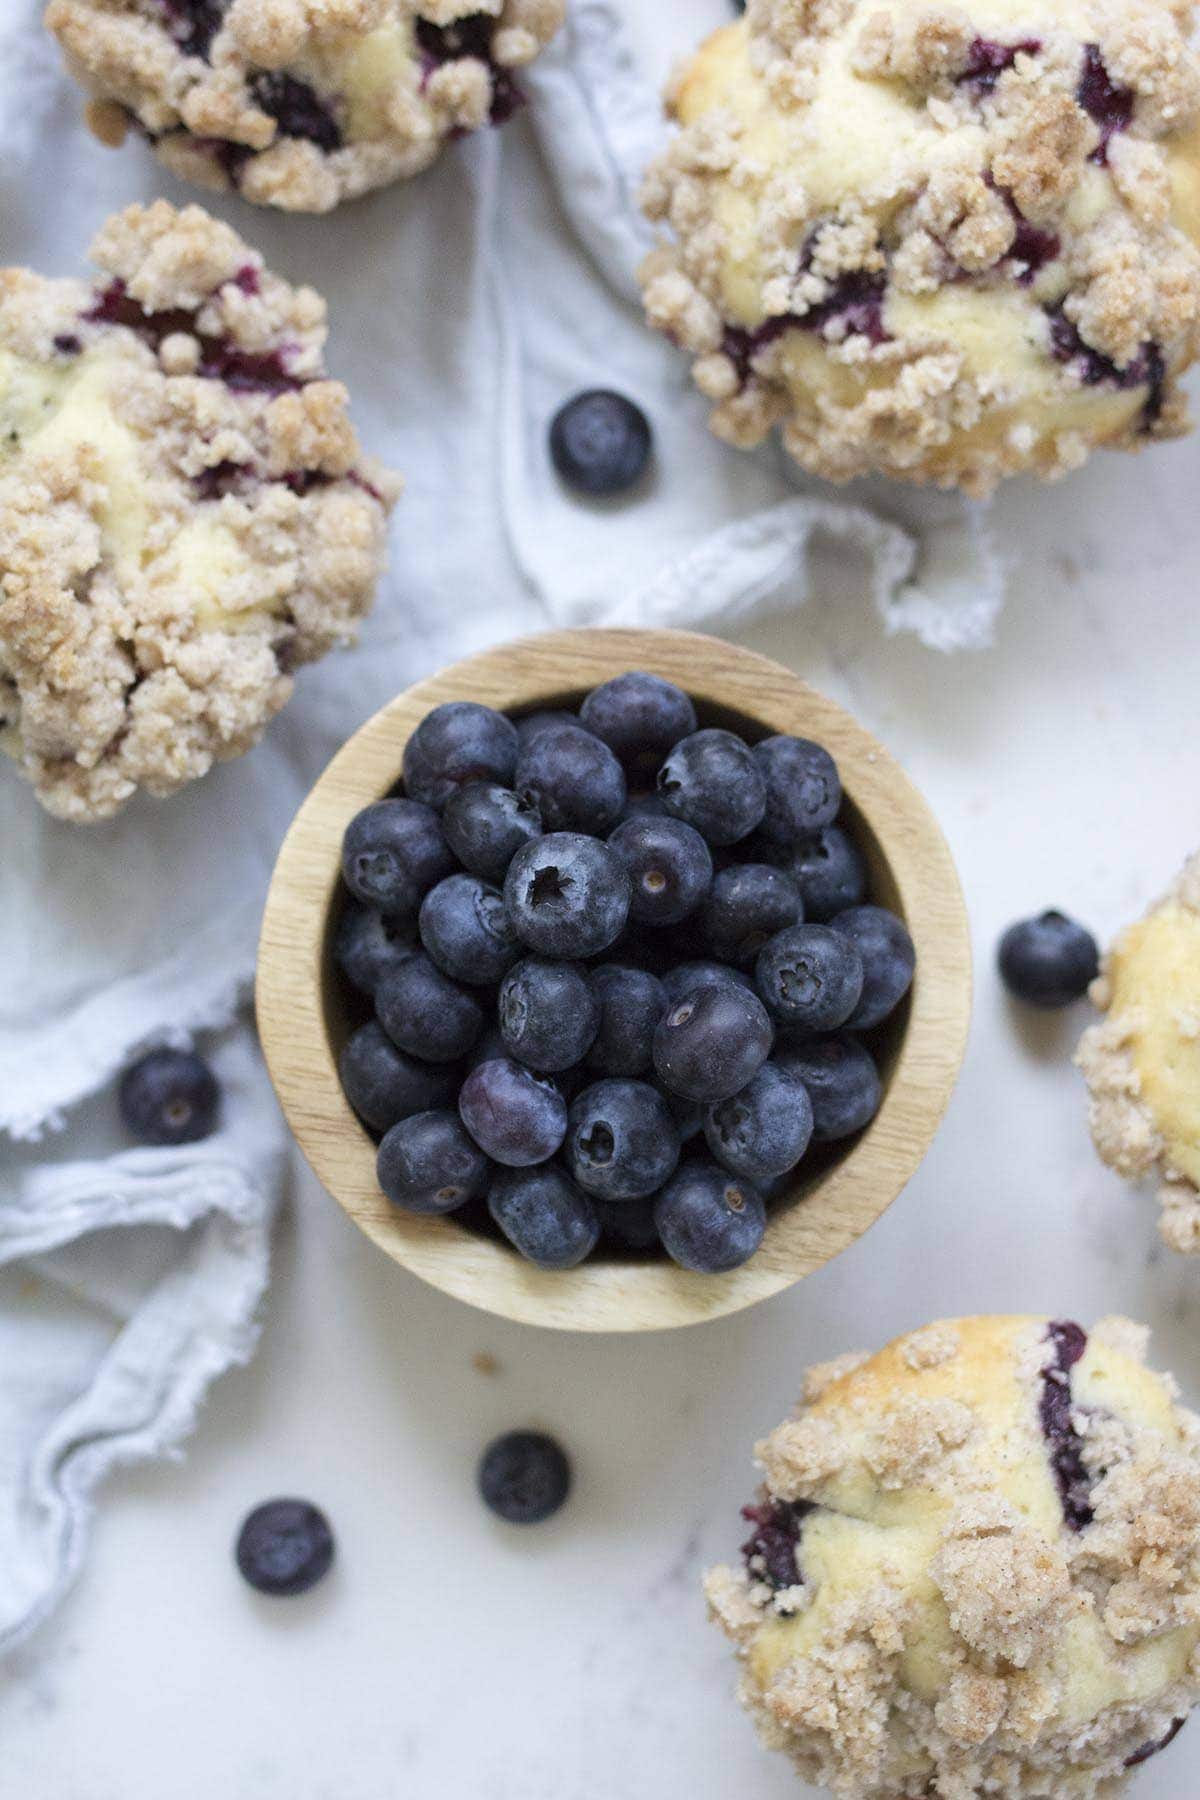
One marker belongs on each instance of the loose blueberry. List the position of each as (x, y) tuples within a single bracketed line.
[(1048, 961), (709, 1220), (804, 790), (764, 1131), (621, 1140), (285, 1547), (457, 744), (369, 945), (466, 931), (711, 780), (600, 443), (486, 825), (549, 1015), (383, 1085), (573, 779), (888, 959), (670, 868), (687, 978), (712, 1042), (811, 978), (427, 1014), (640, 717), (544, 1216), (393, 853), (748, 905), (628, 1224), (630, 1002), (429, 1164), (842, 1081), (567, 895), (170, 1097), (524, 1477), (516, 1117), (830, 872)]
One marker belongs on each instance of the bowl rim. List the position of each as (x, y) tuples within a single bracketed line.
[(611, 1295)]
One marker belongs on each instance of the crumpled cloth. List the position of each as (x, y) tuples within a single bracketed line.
[(465, 306)]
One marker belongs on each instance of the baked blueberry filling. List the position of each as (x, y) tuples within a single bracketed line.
[(1103, 100), (854, 304), (987, 61), (472, 36), (1148, 1750), (223, 478), (771, 1553), (1068, 1342), (243, 371), (195, 23), (297, 109), (1032, 248), (1148, 368)]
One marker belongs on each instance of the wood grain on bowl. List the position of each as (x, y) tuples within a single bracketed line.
[(303, 1015)]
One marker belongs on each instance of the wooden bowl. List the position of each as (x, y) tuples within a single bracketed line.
[(305, 1015)]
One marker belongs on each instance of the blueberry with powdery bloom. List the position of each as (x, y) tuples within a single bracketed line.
[(384, 1085), (544, 1216), (889, 960), (709, 1220), (455, 744), (369, 944), (429, 1164), (640, 717), (749, 903), (573, 779), (687, 978), (426, 1014), (548, 1013), (169, 1097), (762, 1132), (831, 873), (1049, 961), (567, 895), (630, 1003), (842, 1081), (803, 788), (285, 1548), (466, 931), (516, 1117), (621, 1140), (712, 781), (811, 978), (524, 1477), (670, 868), (485, 825), (600, 443), (711, 1043), (393, 853)]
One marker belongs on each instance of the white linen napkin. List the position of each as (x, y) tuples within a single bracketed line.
[(465, 307)]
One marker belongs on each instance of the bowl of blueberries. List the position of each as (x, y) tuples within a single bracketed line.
[(614, 980)]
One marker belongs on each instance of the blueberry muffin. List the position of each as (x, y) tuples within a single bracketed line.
[(947, 242), (300, 103), (1142, 1062), (974, 1567), (185, 513)]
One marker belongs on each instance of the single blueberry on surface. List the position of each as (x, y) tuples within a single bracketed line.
[(842, 1081), (393, 853), (810, 977), (749, 903), (384, 1085), (516, 1117), (285, 1547), (567, 895), (709, 1220), (711, 1043), (485, 826), (429, 1164), (630, 1003), (467, 932), (548, 1014), (830, 872), (572, 778), (804, 790), (628, 1224), (427, 1014), (889, 960), (455, 744), (764, 1131), (169, 1097), (711, 780), (369, 945), (621, 1140), (640, 717), (687, 978), (600, 443), (1048, 961), (544, 1216), (670, 868), (524, 1477)]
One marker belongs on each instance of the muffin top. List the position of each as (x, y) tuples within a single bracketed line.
[(300, 103), (974, 1567), (946, 242)]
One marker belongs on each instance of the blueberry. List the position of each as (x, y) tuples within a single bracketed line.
[(486, 825), (467, 932), (573, 779), (600, 443), (709, 1220), (830, 872), (567, 895), (748, 904), (545, 1216), (426, 1013), (393, 853), (888, 958), (713, 1042), (643, 806), (548, 1014), (621, 1140), (811, 977), (535, 722), (369, 945), (630, 1003), (456, 744), (640, 717), (670, 868), (842, 1082), (517, 1117), (285, 1547), (762, 1132), (428, 1164), (628, 1224), (524, 1477), (804, 791), (383, 1085), (489, 1047), (169, 1097), (687, 978), (712, 781), (1048, 961)]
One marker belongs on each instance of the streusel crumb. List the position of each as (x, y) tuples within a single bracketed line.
[(185, 514)]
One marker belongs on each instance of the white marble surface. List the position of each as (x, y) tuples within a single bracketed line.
[(448, 1657)]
